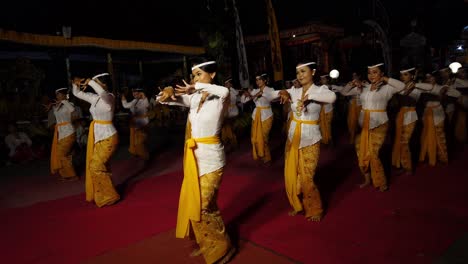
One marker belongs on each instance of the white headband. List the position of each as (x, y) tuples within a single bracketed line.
[(305, 64), (60, 89), (228, 80), (203, 64), (407, 70), (376, 65), (100, 75)]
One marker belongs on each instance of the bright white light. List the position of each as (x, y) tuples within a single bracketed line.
[(334, 74), (454, 66), (294, 35), (460, 47)]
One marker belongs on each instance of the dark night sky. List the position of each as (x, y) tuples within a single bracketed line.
[(178, 22)]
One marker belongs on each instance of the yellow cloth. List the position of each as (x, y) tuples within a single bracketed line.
[(54, 158), (311, 201), (325, 125), (257, 139), (103, 192), (189, 200), (396, 152), (364, 140), (460, 126), (353, 118), (64, 152), (376, 139), (135, 135), (428, 138), (89, 155), (291, 169), (210, 232)]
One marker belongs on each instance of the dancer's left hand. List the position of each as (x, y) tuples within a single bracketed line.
[(187, 89)]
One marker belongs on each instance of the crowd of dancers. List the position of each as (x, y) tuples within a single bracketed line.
[(213, 109)]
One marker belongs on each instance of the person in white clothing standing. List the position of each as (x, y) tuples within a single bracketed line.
[(374, 123), (204, 162), (64, 137), (303, 142), (262, 118), (102, 139), (139, 108)]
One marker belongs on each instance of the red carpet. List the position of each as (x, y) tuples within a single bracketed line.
[(418, 218)]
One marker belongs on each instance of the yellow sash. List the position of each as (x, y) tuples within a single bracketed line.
[(257, 133), (428, 137), (291, 164), (89, 155), (54, 159), (190, 197), (364, 145), (396, 159)]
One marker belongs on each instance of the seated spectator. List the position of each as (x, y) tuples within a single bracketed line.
[(19, 145)]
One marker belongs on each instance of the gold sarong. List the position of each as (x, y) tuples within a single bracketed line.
[(260, 134), (402, 136), (293, 167), (98, 183)]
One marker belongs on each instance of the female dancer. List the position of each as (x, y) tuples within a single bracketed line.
[(303, 144), (102, 139), (374, 123), (64, 137), (406, 121), (204, 162)]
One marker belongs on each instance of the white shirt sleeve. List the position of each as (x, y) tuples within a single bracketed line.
[(397, 85), (68, 106), (217, 90), (324, 95), (88, 97), (105, 95), (128, 105)]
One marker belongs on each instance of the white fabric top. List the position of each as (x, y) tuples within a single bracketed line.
[(232, 111), (139, 109), (378, 100), (437, 109), (352, 91), (63, 113), (206, 123), (310, 134), (13, 142), (412, 116), (269, 94), (102, 108)]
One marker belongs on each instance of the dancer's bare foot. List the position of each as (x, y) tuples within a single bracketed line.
[(196, 252), (315, 218), (366, 181), (383, 188), (293, 213)]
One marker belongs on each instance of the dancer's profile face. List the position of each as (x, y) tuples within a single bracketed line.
[(374, 74), (260, 82), (406, 77), (202, 76), (305, 75), (60, 96)]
